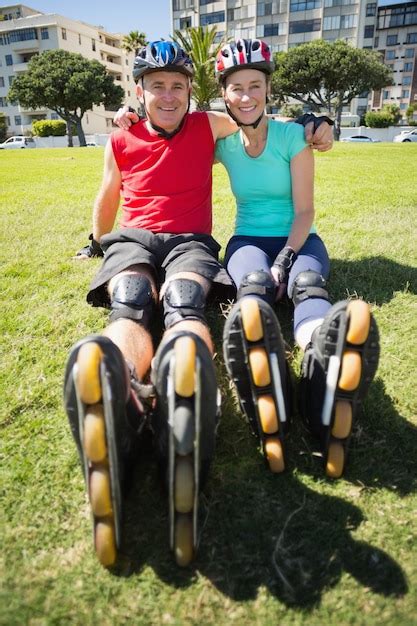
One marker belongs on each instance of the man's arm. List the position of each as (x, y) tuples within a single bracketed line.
[(108, 198), (221, 125)]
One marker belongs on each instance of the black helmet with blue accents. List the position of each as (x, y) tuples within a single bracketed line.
[(165, 56)]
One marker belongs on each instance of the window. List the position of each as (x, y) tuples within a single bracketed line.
[(405, 93), (304, 5), (44, 32), (93, 45), (11, 79), (390, 17), (9, 59), (202, 3), (408, 67), (272, 30), (219, 36), (392, 40), (385, 95), (63, 33), (409, 53), (79, 39), (212, 18), (3, 101), (4, 39), (403, 105), (339, 3), (18, 120), (376, 42), (371, 9), (406, 80), (25, 34), (1, 81), (185, 22), (128, 94), (390, 55), (411, 38), (54, 116), (348, 21), (331, 23), (369, 32), (304, 26)]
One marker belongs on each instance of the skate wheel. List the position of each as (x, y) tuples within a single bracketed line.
[(259, 366), (359, 322), (251, 319), (350, 371), (88, 382), (100, 493), (185, 351), (105, 542), (268, 414), (184, 428), (274, 454), (342, 424), (184, 484), (94, 443), (184, 545), (335, 460)]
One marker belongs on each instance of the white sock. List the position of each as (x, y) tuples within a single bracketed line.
[(305, 331)]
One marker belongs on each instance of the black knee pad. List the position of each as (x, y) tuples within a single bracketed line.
[(258, 283), (183, 299), (132, 299), (308, 284)]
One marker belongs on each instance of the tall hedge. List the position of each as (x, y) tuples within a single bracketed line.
[(48, 128)]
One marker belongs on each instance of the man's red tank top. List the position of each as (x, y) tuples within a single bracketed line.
[(166, 184)]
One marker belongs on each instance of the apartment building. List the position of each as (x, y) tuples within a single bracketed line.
[(24, 32), (287, 23)]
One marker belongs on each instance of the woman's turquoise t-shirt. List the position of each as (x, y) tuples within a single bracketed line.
[(262, 185)]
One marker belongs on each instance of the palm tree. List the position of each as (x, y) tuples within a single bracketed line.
[(133, 41), (198, 42)]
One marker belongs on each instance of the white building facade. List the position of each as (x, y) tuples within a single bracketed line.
[(25, 32), (287, 23)]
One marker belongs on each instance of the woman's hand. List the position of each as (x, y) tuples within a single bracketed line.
[(281, 270), (125, 117)]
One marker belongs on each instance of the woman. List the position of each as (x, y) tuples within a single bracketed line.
[(275, 251)]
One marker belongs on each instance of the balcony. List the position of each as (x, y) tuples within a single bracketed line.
[(32, 45), (20, 67), (114, 68)]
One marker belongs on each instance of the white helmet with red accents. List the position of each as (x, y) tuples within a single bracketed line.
[(243, 54)]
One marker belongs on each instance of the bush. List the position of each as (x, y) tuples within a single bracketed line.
[(48, 128), (410, 114), (291, 110), (378, 119)]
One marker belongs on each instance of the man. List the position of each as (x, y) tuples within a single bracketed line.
[(163, 253)]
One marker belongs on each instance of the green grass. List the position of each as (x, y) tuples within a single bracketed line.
[(289, 549)]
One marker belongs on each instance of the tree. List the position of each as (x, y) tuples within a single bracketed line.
[(3, 127), (291, 110), (328, 76), (198, 42), (133, 41), (68, 84), (389, 115), (410, 114)]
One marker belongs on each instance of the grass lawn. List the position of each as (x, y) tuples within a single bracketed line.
[(285, 549)]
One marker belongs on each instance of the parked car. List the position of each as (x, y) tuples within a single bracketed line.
[(406, 135), (360, 139), (13, 143)]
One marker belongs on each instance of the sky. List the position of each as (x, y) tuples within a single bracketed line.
[(118, 16)]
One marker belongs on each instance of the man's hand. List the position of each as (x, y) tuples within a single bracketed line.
[(281, 269), (125, 117), (89, 251), (322, 139)]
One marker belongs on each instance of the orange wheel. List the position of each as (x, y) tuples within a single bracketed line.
[(274, 454), (335, 460), (88, 382), (185, 350), (184, 548), (342, 424), (251, 319), (259, 366), (359, 322), (184, 484), (268, 414), (351, 371), (94, 443), (100, 492), (105, 542)]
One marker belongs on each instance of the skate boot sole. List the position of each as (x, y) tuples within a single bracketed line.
[(254, 354), (181, 399), (351, 367)]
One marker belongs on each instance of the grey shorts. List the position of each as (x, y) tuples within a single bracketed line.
[(165, 254)]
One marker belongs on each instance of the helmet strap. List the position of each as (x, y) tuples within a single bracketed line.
[(254, 124)]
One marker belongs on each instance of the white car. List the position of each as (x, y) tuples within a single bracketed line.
[(360, 139), (406, 135), (14, 143)]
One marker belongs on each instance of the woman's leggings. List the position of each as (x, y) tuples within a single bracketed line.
[(245, 254)]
